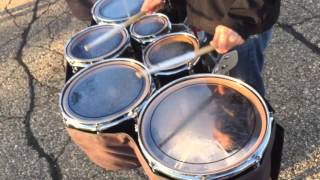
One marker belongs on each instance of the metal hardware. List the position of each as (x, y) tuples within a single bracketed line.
[(226, 63)]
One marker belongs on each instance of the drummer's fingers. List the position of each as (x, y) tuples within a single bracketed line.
[(217, 41), (225, 39), (150, 6)]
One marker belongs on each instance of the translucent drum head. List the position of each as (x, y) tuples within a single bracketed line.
[(115, 11), (105, 92), (168, 47), (110, 48), (203, 125), (150, 26)]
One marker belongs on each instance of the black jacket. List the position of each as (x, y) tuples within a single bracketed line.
[(247, 17)]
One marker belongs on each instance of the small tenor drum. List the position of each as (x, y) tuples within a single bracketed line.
[(105, 94), (147, 29), (150, 27), (115, 11), (167, 47), (78, 57), (204, 127)]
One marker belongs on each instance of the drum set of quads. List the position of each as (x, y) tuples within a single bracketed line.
[(183, 122)]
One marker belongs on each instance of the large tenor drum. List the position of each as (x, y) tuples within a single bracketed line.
[(204, 127), (115, 11), (78, 57), (167, 47), (105, 94)]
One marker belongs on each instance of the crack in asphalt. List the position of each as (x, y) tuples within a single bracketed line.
[(20, 11), (62, 151), (11, 15), (305, 20), (300, 37), (56, 18), (32, 141)]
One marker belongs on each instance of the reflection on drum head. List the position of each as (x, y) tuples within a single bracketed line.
[(169, 47), (106, 91), (198, 126), (118, 9), (149, 26), (78, 51), (169, 50), (204, 129)]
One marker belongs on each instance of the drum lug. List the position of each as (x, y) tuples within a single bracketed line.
[(136, 128), (271, 115), (153, 167), (257, 160), (133, 113), (67, 124), (98, 128), (74, 70)]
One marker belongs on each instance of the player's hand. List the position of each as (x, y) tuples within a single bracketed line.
[(150, 6), (225, 39), (223, 139)]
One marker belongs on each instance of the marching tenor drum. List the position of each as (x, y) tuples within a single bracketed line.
[(147, 29), (204, 127), (78, 57), (150, 27), (115, 11), (99, 105), (167, 47), (105, 94)]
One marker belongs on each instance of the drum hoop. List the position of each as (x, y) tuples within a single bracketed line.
[(252, 160), (80, 62), (146, 52), (142, 38), (103, 20), (93, 125)]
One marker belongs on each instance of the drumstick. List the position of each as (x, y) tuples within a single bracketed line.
[(180, 59), (111, 33)]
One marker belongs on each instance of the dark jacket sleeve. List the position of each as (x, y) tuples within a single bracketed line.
[(249, 17), (246, 17)]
